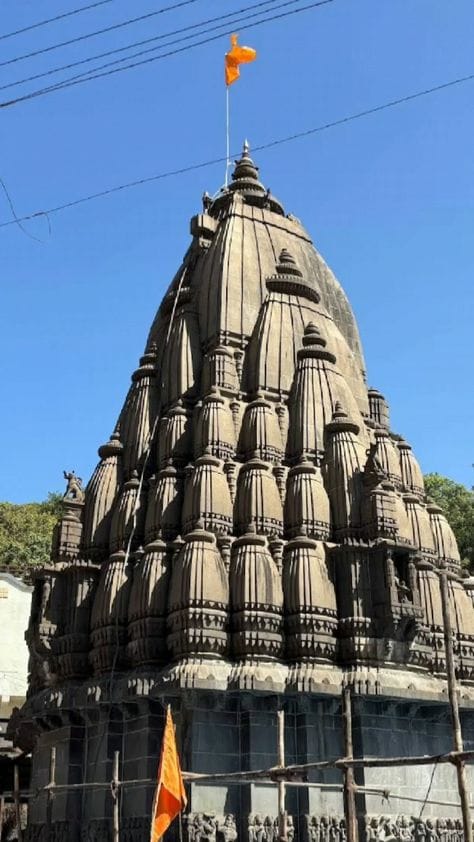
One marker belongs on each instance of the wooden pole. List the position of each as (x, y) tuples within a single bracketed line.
[(2, 811), (115, 796), (282, 815), (51, 785), (454, 703), (348, 774), (16, 800)]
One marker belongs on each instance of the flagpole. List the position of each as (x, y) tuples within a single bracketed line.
[(227, 134)]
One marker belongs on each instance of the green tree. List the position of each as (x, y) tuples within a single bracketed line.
[(457, 502), (25, 534)]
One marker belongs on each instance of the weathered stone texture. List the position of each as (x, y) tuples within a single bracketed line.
[(253, 536)]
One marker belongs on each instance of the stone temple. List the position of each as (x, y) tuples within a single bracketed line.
[(253, 538)]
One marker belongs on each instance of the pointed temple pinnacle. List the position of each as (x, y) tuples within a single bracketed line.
[(254, 532), (287, 264), (312, 336), (338, 411), (246, 171)]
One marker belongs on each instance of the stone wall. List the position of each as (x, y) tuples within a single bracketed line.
[(236, 732)]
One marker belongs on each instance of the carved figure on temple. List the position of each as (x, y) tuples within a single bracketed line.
[(373, 467), (373, 829), (290, 829), (74, 489), (208, 828), (314, 829), (256, 829), (324, 829), (420, 831), (403, 591), (431, 835), (227, 831), (334, 830), (405, 829)]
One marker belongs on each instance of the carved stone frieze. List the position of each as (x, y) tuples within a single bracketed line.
[(264, 828)]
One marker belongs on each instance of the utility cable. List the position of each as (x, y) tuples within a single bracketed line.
[(87, 35), (56, 18), (85, 75), (262, 147), (140, 44), (80, 78)]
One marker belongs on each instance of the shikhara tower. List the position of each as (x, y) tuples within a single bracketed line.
[(254, 536)]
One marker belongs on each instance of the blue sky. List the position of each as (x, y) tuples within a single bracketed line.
[(388, 200)]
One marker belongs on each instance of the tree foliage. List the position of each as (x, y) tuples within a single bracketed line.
[(457, 502), (25, 534)]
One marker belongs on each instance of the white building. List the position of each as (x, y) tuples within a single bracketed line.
[(15, 602)]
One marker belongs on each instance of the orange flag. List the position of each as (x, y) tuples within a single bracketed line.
[(237, 55), (170, 797)]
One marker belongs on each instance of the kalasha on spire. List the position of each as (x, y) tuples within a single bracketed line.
[(254, 536)]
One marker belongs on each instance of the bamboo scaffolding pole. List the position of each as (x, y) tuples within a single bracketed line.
[(282, 814), (348, 773), (115, 788), (16, 800), (51, 787), (298, 770), (454, 704), (288, 773)]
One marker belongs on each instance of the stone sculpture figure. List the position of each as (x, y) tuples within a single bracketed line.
[(431, 834), (405, 829), (314, 829), (420, 831), (74, 489), (334, 830), (227, 831), (257, 831)]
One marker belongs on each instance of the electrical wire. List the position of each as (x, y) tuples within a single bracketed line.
[(232, 23), (81, 78), (53, 20), (262, 147), (140, 44), (87, 35)]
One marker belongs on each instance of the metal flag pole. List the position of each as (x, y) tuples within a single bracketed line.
[(227, 135)]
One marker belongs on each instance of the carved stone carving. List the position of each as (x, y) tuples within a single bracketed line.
[(74, 489), (266, 828), (256, 598), (198, 598)]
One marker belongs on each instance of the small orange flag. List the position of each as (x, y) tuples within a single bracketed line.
[(170, 797), (237, 55)]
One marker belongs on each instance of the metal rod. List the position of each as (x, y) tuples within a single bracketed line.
[(348, 773), (16, 799), (454, 704), (282, 815), (115, 795)]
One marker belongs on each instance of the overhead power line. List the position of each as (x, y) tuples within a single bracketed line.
[(87, 35), (151, 40), (262, 147), (53, 20), (81, 77)]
